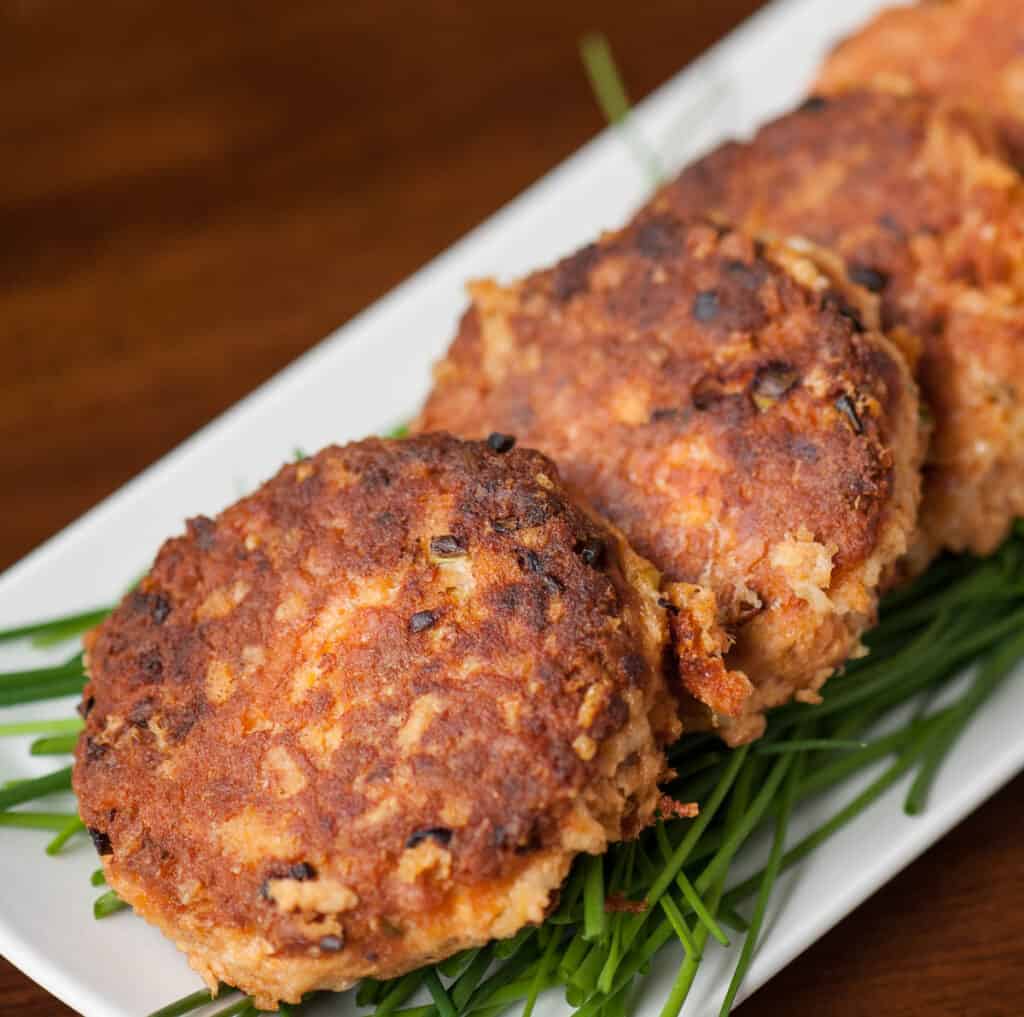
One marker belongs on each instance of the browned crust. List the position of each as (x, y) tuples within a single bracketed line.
[(968, 51), (918, 200), (303, 778), (719, 402)]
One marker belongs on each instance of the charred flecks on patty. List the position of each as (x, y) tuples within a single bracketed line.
[(356, 734), (732, 408), (970, 52), (919, 203)]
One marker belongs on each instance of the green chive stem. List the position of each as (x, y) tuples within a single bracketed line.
[(594, 918), (27, 790), (184, 1005), (56, 745), (610, 93), (71, 725), (107, 904), (70, 828), (55, 821), (55, 630), (438, 994)]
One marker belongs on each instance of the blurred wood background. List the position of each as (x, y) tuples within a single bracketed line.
[(192, 194)]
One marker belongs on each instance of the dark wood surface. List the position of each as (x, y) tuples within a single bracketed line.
[(192, 194)]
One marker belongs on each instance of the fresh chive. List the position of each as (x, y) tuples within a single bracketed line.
[(27, 790), (43, 727), (735, 820), (185, 1005), (107, 904), (505, 975), (71, 827), (743, 826), (700, 909), (399, 992), (731, 917), (453, 966), (72, 666), (34, 692), (57, 745), (517, 990), (98, 878), (594, 919), (466, 984), (401, 431), (679, 926), (813, 840), (992, 673), (369, 992), (56, 630), (611, 96), (55, 821), (573, 956), (771, 872), (806, 744), (589, 972), (241, 1008), (438, 994), (630, 965), (507, 948), (682, 852)]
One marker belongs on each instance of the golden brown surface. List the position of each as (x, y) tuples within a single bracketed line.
[(725, 406), (367, 716), (134, 263), (918, 201), (970, 52)]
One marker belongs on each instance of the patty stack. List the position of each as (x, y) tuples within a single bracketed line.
[(367, 717)]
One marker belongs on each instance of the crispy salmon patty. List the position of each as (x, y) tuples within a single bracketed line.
[(920, 203), (728, 406), (367, 716), (970, 52)]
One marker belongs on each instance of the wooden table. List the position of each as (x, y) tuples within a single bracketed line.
[(192, 193)]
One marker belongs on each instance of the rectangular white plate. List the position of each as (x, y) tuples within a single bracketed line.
[(365, 378)]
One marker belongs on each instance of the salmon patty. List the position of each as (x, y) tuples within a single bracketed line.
[(970, 52), (367, 716), (728, 405), (918, 201)]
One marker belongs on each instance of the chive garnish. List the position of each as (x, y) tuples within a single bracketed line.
[(241, 1008), (539, 980), (610, 93), (438, 994), (107, 904), (56, 630), (54, 821), (594, 920), (70, 828), (184, 1005), (56, 745), (771, 872), (401, 989), (42, 727), (28, 790)]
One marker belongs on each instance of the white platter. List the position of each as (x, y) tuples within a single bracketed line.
[(365, 378)]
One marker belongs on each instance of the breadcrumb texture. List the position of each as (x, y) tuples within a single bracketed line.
[(727, 405), (970, 52), (367, 716), (919, 201)]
